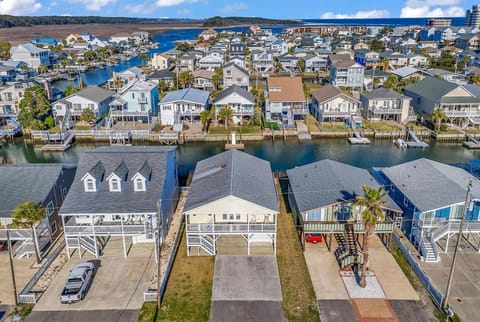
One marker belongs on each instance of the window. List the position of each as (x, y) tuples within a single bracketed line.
[(53, 228), (64, 192), (50, 208), (114, 186), (405, 201), (139, 185), (90, 185), (237, 216), (225, 216)]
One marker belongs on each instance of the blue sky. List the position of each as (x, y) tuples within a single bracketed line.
[(297, 9)]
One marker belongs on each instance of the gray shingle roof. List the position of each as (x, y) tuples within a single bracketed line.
[(127, 201), (121, 171), (234, 89), (188, 94), (97, 170), (233, 173), (145, 170), (431, 185), (432, 88), (94, 93), (22, 182), (329, 92), (383, 93), (329, 182)]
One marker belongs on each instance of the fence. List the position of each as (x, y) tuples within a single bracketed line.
[(434, 293)]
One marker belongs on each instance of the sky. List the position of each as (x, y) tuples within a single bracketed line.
[(295, 9)]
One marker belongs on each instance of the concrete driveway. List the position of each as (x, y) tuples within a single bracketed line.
[(246, 288), (118, 284)]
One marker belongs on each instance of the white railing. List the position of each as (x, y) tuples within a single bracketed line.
[(231, 228), (88, 230), (150, 296), (16, 234), (29, 298)]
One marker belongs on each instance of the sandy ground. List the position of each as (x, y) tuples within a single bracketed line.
[(21, 34)]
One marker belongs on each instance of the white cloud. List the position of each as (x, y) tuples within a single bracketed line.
[(142, 8), (171, 3), (19, 7), (66, 15), (234, 7), (432, 8), (359, 14), (95, 5)]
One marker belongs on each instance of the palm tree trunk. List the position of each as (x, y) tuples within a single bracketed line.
[(363, 278), (35, 246)]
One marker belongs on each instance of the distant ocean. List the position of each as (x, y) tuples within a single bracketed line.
[(393, 22)]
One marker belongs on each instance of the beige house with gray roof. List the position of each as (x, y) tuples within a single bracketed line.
[(330, 104)]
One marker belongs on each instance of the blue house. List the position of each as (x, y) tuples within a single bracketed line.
[(138, 101), (432, 197), (44, 41)]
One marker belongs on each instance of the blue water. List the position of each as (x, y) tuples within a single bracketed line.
[(392, 22)]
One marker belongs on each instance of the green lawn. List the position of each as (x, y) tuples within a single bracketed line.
[(312, 123), (189, 288), (333, 127), (82, 127), (381, 126), (248, 129), (299, 301), (148, 311)]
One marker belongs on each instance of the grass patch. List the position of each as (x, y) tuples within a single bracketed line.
[(381, 125), (247, 129), (405, 266), (55, 129), (22, 310), (82, 127), (312, 123), (271, 125), (442, 317), (189, 289), (333, 127), (415, 127), (148, 312), (299, 301)]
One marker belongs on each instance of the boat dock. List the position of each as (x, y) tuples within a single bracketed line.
[(357, 138), (471, 143), (416, 143), (59, 142)]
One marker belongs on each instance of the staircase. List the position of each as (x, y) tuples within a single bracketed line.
[(178, 127), (429, 251), (88, 243), (347, 253), (205, 242), (350, 238), (148, 229)]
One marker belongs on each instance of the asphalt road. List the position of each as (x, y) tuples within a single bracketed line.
[(84, 316)]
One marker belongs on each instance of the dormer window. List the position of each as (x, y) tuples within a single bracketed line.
[(116, 179), (93, 177), (90, 185), (141, 179), (114, 185), (139, 184)]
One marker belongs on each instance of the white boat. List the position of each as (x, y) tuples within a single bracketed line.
[(400, 143)]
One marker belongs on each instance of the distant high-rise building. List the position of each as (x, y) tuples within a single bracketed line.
[(472, 18), (435, 22)]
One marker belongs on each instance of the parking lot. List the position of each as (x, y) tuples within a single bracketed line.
[(118, 284)]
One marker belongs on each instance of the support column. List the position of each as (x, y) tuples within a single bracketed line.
[(65, 236), (123, 239), (94, 237), (446, 245)]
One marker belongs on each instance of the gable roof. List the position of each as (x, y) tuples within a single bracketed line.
[(430, 184), (94, 93), (405, 71), (232, 63), (22, 182), (78, 201), (234, 89), (233, 173), (329, 182), (329, 92), (188, 94), (290, 89), (432, 88), (383, 93)]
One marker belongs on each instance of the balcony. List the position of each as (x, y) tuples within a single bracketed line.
[(104, 230), (339, 227), (381, 110), (234, 228)]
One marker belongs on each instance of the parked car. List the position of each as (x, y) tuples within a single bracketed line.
[(313, 238), (3, 246), (78, 283)]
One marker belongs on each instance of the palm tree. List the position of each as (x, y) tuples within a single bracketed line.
[(438, 115), (205, 117), (371, 205), (225, 114), (87, 115), (26, 215), (144, 58)]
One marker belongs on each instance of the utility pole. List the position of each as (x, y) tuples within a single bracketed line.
[(454, 260), (12, 270), (159, 249)]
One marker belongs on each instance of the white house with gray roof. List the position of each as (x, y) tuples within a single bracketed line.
[(183, 104), (32, 55), (383, 104), (322, 196), (232, 201), (432, 197), (93, 97), (237, 99), (128, 192)]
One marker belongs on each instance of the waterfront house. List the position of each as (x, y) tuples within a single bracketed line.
[(203, 79), (137, 101), (186, 63), (395, 59), (322, 199), (140, 37), (164, 75), (347, 73), (210, 62), (366, 57), (262, 61), (432, 197), (46, 185), (407, 72), (240, 101), (120, 191), (235, 75), (417, 61), (446, 75), (11, 96), (330, 104), (382, 104), (7, 74), (208, 34), (314, 63), (120, 39), (160, 61), (183, 104), (285, 100), (279, 47), (93, 97), (460, 106), (232, 195), (288, 61), (31, 55)]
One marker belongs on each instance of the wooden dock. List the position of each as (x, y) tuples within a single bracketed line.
[(357, 138), (472, 143)]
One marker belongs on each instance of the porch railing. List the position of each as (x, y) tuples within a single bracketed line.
[(231, 228), (16, 234), (339, 227), (104, 230)]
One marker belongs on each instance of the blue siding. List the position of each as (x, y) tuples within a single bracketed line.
[(170, 191), (443, 213)]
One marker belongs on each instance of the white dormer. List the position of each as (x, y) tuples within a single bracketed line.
[(139, 182), (116, 179), (91, 180), (89, 183), (141, 179)]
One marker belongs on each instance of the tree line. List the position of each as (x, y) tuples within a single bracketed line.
[(7, 21)]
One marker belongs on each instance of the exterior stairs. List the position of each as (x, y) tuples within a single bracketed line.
[(429, 251), (205, 242)]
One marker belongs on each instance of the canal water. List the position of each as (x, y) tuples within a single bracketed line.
[(282, 155)]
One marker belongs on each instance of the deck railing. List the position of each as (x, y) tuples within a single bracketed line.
[(106, 230), (339, 227), (231, 228), (16, 234)]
